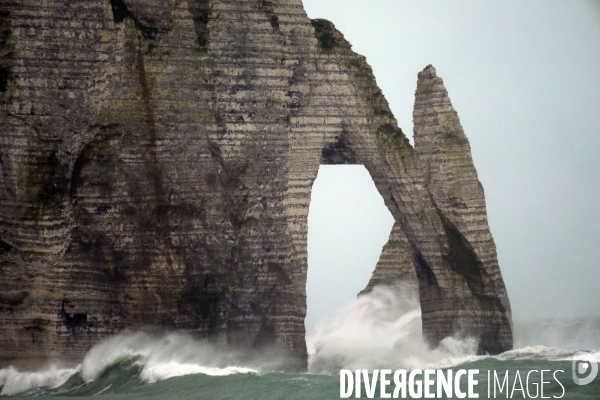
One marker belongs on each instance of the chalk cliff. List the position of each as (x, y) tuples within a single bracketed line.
[(457, 195), (452, 182), (157, 158)]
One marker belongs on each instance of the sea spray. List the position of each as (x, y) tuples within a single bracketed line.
[(13, 381), (149, 358), (174, 354), (564, 333), (382, 329), (378, 330)]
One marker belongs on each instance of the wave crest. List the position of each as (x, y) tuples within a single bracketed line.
[(14, 382), (164, 357)]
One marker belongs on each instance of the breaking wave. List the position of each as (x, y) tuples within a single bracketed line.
[(382, 329), (13, 382), (138, 358), (162, 358), (379, 330)]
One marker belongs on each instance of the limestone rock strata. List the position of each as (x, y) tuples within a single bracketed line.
[(396, 263), (157, 158), (457, 194)]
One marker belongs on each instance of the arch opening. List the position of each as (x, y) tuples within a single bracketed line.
[(348, 225)]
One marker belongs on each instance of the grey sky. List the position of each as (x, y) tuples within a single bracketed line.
[(525, 80)]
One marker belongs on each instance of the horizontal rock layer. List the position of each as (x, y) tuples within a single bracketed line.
[(458, 196), (157, 158)]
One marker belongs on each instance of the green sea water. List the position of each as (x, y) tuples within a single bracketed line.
[(122, 381), (379, 331)]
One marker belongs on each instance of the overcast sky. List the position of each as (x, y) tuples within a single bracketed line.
[(524, 77)]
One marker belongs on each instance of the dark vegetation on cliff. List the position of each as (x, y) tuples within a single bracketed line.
[(156, 166)]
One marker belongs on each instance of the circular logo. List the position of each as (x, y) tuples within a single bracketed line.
[(585, 368)]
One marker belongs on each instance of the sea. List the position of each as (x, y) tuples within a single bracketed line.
[(376, 333)]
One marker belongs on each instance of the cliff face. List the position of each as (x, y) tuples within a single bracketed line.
[(457, 196), (157, 158)]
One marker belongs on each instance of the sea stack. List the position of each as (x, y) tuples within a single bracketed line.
[(451, 179), (157, 159)]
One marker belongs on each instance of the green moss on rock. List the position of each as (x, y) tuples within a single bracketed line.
[(325, 33), (381, 117)]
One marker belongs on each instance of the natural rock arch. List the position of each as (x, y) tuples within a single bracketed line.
[(157, 165), (348, 225)]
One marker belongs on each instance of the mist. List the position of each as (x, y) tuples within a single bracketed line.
[(382, 329), (348, 225)]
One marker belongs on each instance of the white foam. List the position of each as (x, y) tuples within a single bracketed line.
[(13, 381), (161, 371), (161, 357), (112, 351), (378, 330), (533, 352), (462, 350), (582, 357), (454, 362), (382, 330)]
